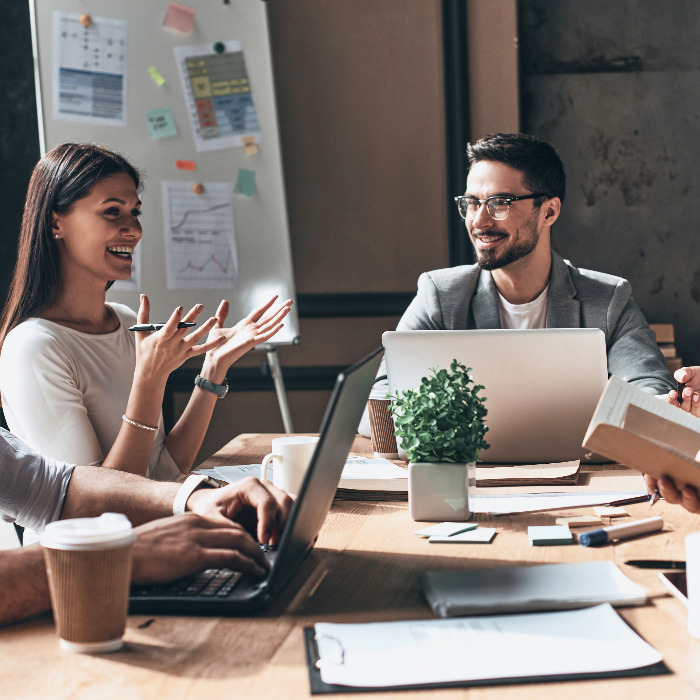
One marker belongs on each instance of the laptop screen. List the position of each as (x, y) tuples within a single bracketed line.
[(541, 386)]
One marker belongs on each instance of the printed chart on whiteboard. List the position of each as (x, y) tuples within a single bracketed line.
[(219, 96), (89, 82), (200, 240)]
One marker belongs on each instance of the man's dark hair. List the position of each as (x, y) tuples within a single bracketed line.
[(539, 163)]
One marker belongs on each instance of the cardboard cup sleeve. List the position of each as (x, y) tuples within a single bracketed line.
[(381, 427)]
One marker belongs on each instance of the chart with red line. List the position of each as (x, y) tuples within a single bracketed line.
[(200, 239)]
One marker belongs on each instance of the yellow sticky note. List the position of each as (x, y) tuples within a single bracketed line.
[(579, 520), (158, 79), (250, 147), (610, 511)]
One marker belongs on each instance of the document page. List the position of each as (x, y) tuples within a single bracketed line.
[(619, 394), (384, 654)]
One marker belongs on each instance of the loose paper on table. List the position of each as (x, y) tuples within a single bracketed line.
[(384, 654)]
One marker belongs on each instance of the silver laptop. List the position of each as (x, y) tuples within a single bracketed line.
[(224, 592), (541, 386)]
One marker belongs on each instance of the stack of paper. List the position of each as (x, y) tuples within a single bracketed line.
[(525, 588)]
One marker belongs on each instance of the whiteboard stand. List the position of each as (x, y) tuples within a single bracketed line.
[(273, 362)]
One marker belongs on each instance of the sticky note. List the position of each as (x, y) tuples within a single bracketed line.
[(161, 122), (158, 79), (549, 535), (185, 164), (245, 184), (250, 147), (579, 520), (180, 18), (445, 529), (483, 535), (610, 511)]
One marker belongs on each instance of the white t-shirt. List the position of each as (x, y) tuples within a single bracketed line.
[(533, 314), (64, 391)]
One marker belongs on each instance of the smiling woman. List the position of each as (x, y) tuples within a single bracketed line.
[(76, 385)]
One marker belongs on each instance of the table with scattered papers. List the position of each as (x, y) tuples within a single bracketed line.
[(365, 568)]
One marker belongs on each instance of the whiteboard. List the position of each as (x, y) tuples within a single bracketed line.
[(260, 261)]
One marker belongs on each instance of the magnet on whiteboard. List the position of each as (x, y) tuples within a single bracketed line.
[(219, 47), (198, 188), (85, 20)]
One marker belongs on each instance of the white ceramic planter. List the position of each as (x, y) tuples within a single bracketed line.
[(440, 492)]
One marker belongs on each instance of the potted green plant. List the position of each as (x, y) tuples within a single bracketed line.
[(440, 426)]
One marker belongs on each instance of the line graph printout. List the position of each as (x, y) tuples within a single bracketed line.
[(89, 81), (200, 240), (218, 94)]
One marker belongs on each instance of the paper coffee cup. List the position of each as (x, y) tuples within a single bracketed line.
[(88, 563), (381, 428)]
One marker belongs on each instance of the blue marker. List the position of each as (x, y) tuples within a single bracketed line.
[(596, 538)]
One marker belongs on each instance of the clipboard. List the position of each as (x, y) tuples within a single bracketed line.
[(318, 687)]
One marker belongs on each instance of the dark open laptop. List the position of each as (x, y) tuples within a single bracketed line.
[(223, 592)]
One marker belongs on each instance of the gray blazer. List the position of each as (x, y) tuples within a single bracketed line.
[(465, 297)]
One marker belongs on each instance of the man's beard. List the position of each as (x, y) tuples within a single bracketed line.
[(492, 260)]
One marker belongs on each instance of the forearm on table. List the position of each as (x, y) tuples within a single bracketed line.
[(25, 589), (96, 490)]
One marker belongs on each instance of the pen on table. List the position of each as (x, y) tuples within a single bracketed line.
[(654, 497), (679, 390), (158, 326), (656, 564), (594, 538)]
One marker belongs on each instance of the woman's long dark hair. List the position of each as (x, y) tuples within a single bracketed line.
[(63, 176)]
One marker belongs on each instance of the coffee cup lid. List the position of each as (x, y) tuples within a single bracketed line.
[(108, 529)]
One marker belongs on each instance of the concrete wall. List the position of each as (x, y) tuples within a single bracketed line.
[(615, 87)]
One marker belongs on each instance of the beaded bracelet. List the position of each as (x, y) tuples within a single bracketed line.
[(136, 424)]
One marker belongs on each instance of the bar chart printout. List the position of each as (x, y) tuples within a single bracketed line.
[(200, 241)]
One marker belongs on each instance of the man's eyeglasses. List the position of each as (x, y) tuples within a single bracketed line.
[(497, 205)]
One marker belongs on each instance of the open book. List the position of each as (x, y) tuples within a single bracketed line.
[(645, 433)]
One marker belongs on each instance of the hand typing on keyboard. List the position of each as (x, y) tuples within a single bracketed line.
[(258, 506)]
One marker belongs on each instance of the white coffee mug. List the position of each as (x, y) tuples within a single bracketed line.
[(292, 456)]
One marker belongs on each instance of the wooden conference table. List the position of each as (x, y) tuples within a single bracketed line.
[(365, 567)]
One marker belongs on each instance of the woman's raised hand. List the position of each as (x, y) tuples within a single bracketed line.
[(158, 353), (257, 327)]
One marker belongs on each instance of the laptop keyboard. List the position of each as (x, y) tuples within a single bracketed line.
[(210, 583)]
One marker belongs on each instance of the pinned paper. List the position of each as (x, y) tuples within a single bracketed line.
[(250, 147), (158, 79), (180, 18), (245, 184), (185, 164), (161, 122)]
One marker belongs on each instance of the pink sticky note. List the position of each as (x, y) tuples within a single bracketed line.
[(185, 164), (180, 18)]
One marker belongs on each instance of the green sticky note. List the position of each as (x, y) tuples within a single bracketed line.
[(245, 184), (158, 79), (549, 534), (161, 122)]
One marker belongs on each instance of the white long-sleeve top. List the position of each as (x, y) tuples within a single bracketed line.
[(64, 391)]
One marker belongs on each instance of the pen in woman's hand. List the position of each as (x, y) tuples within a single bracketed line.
[(158, 326), (654, 497)]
